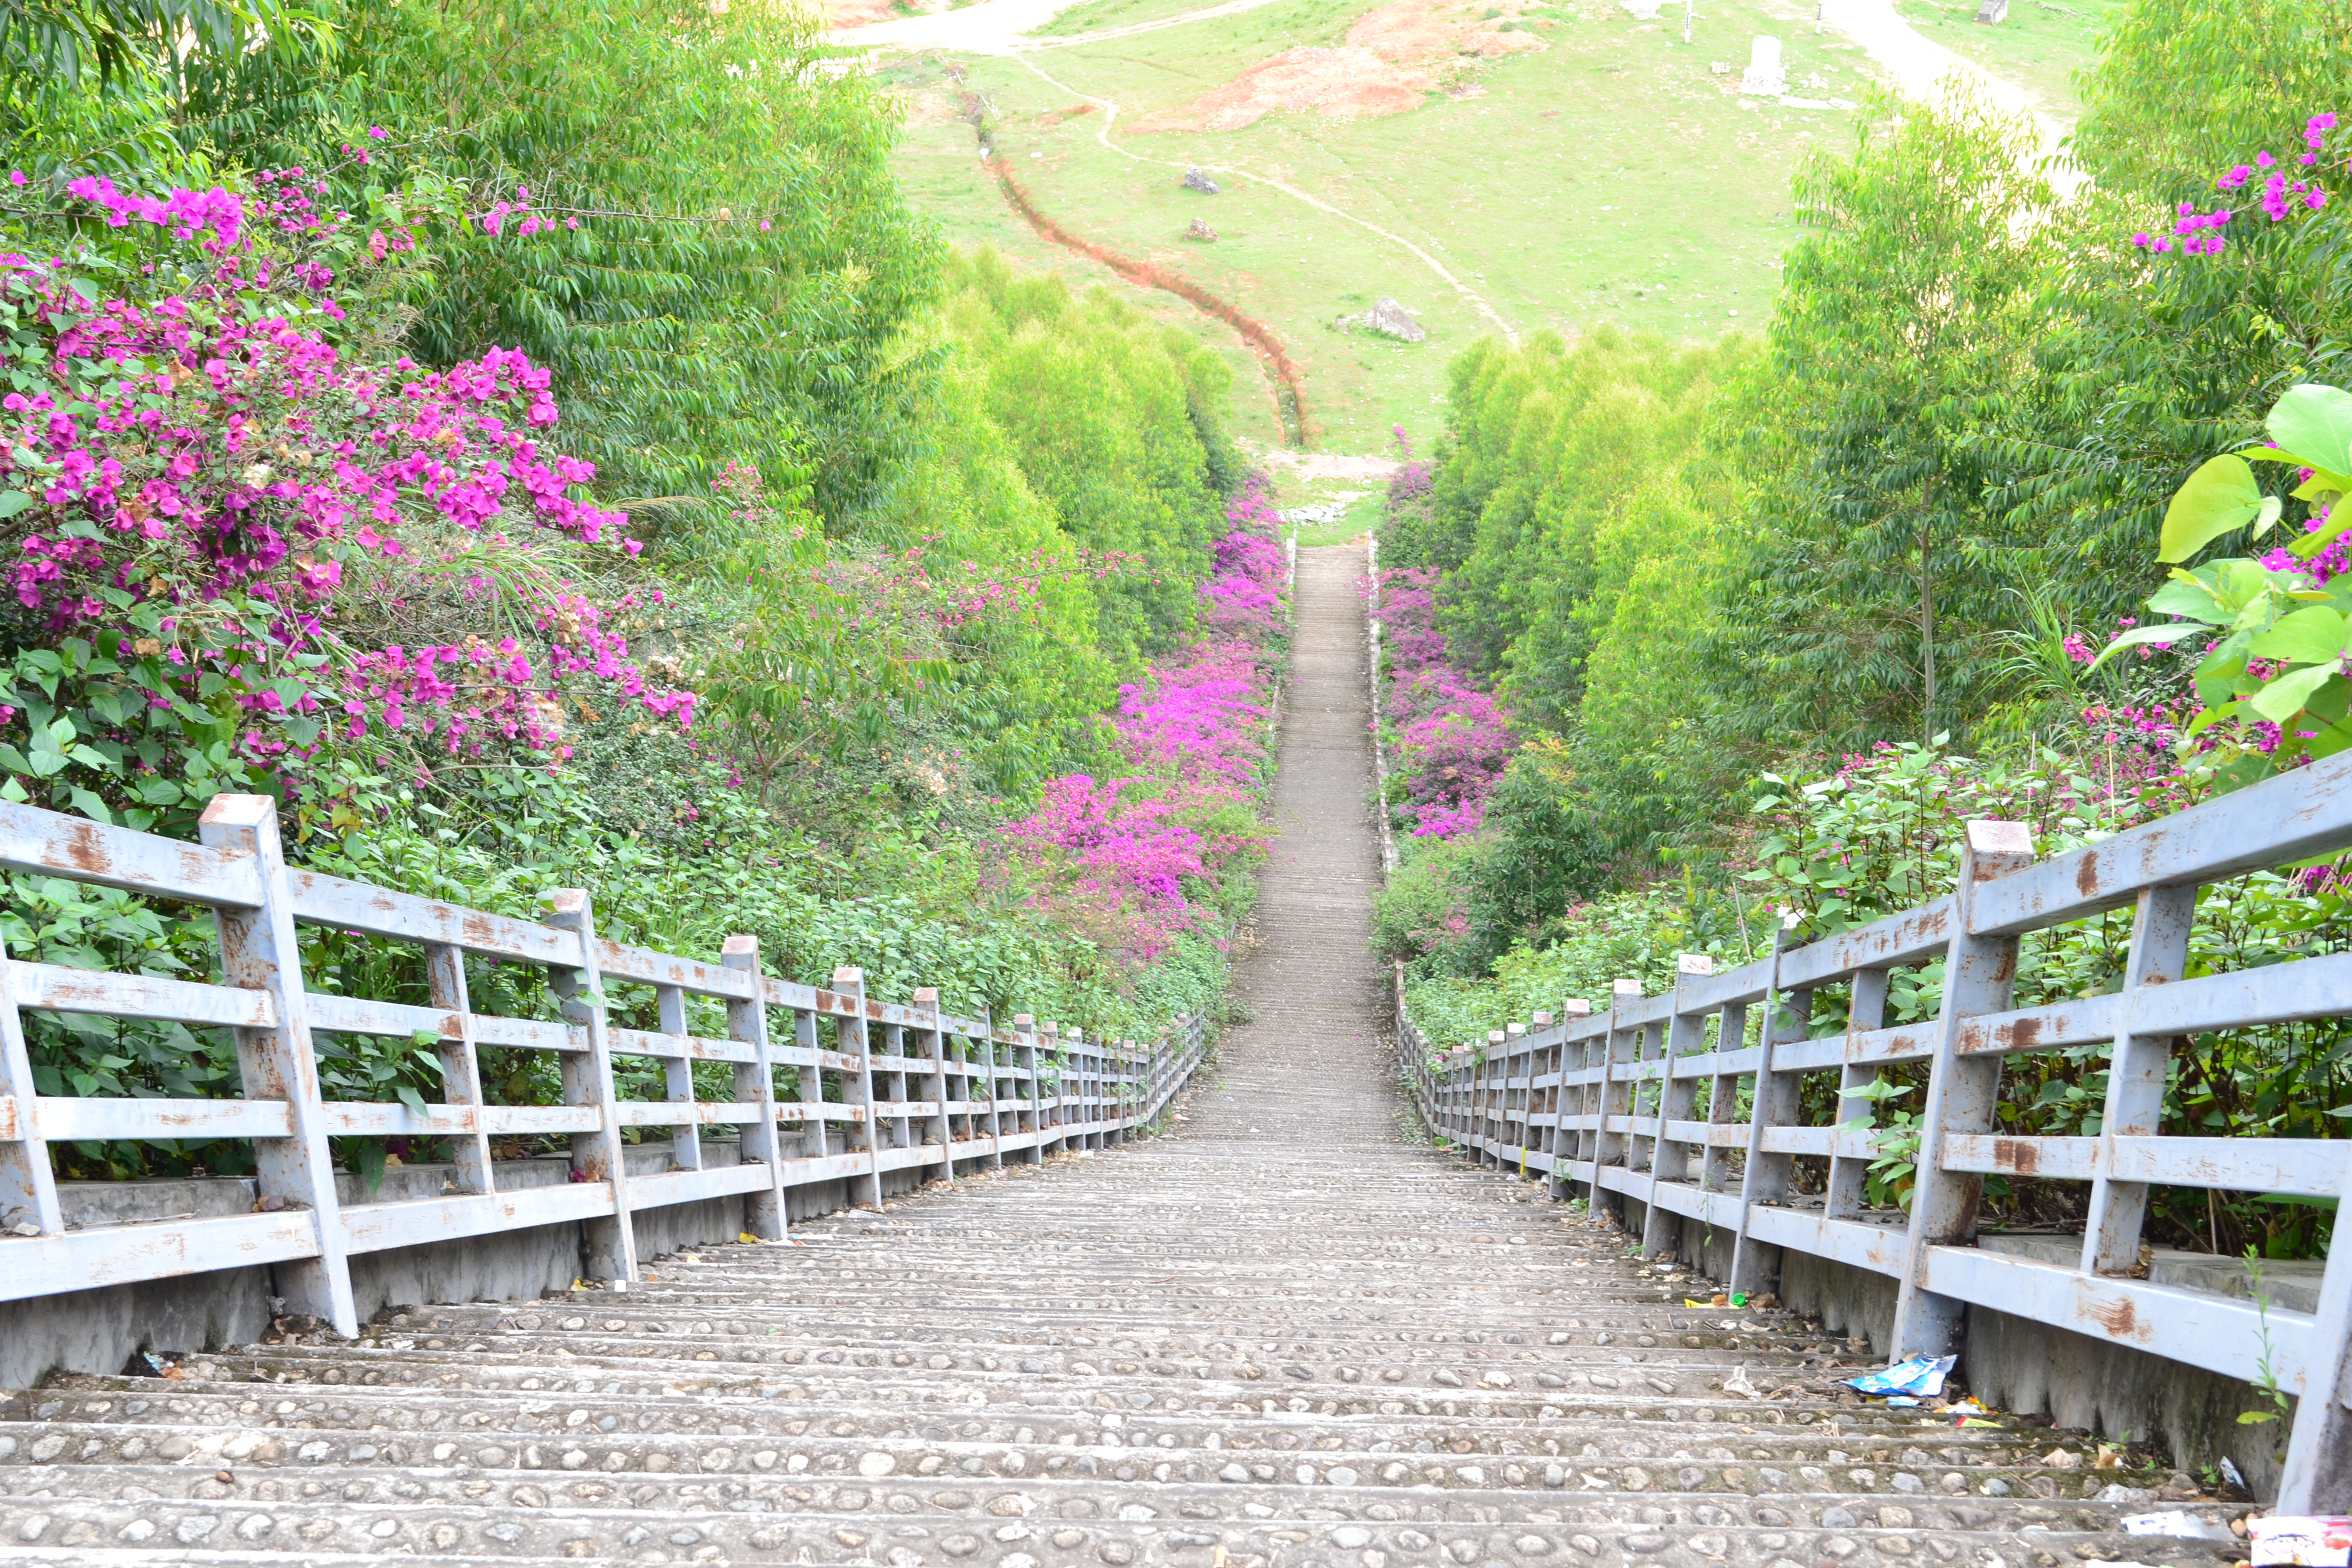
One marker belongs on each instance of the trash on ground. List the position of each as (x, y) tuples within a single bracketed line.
[(1919, 1376), (2178, 1524), (2312, 1541)]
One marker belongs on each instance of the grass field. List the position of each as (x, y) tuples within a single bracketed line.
[(1614, 177)]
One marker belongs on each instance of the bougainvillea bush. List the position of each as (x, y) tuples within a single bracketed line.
[(1159, 851), (243, 558), (1449, 739)]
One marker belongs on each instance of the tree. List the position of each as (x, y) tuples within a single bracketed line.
[(1873, 569)]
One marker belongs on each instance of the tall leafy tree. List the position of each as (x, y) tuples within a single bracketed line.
[(1873, 572)]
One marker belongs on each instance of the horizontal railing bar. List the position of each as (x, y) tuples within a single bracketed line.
[(51, 843), (123, 1254), (2221, 1333), (2289, 817), (2301, 1167), (1897, 939), (61, 988), (322, 899), (63, 1119)]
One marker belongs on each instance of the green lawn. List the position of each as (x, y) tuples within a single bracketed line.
[(1611, 178)]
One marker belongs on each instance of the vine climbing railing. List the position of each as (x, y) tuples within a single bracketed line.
[(1610, 1102), (912, 1088)]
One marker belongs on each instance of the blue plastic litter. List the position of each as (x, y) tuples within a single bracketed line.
[(1921, 1376)]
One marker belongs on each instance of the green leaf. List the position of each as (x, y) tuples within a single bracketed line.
[(2139, 635), (2219, 496), (411, 1099), (90, 805), (2314, 635), (2314, 423), (368, 1161), (2283, 697), (12, 501), (2185, 596)]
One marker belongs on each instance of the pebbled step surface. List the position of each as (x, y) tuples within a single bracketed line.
[(1284, 1333)]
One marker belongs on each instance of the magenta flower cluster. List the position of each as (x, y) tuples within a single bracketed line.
[(193, 457), (1193, 739), (2196, 233), (1452, 739), (2335, 557)]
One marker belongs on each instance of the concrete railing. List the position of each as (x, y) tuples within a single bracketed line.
[(1607, 1103), (912, 1089)]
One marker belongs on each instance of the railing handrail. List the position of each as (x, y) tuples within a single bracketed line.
[(923, 1089), (1605, 1101)]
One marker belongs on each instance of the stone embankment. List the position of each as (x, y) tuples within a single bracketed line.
[(1286, 1333)]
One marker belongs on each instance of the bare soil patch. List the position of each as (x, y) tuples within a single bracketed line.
[(1389, 63)]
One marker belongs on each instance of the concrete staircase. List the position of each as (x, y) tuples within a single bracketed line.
[(1286, 1333)]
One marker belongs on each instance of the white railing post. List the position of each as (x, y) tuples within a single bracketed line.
[(1850, 1174), (1788, 1020), (28, 1190), (2162, 919), (678, 1079), (850, 1037), (1669, 1157), (935, 1050), (2317, 1475), (260, 952), (1979, 973), (816, 1141), (986, 1046), (1055, 1113), (1025, 1056), (764, 1214), (1621, 1047), (461, 1065), (609, 1245)]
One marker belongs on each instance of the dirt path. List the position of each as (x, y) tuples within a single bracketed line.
[(1282, 372), (1470, 295)]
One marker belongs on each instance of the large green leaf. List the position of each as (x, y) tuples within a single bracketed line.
[(2311, 635), (2219, 496), (2283, 697), (2186, 595), (2314, 423)]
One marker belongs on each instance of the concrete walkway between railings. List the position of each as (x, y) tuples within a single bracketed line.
[(1286, 1333)]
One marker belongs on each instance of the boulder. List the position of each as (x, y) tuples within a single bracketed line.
[(1202, 232), (1392, 320), (1197, 179)]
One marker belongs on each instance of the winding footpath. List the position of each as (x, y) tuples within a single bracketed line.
[(1287, 1333)]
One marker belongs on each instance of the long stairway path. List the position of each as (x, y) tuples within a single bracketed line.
[(1285, 1333)]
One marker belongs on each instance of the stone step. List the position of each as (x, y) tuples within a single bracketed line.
[(703, 1418), (1017, 1539), (911, 1459)]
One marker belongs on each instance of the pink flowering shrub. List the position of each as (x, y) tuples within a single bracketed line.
[(220, 519), (1451, 740), (1141, 853)]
